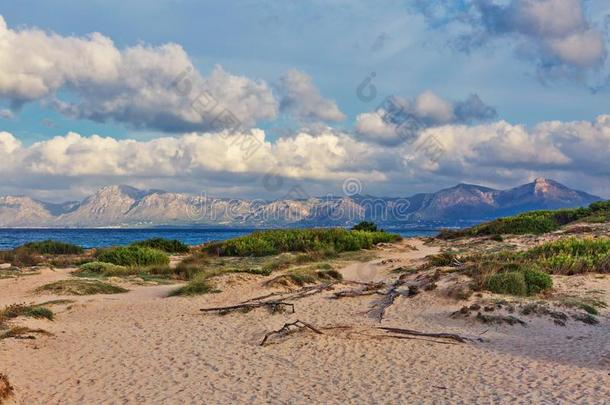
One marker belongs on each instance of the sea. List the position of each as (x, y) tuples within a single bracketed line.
[(105, 237)]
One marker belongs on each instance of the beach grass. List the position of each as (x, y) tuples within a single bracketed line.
[(79, 287)]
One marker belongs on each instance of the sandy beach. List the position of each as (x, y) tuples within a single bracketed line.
[(142, 347)]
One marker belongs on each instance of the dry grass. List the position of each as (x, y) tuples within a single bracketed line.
[(6, 389), (23, 332), (31, 311), (79, 287), (306, 275)]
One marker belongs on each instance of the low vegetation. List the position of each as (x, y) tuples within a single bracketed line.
[(265, 243), (535, 222), (22, 332), (307, 275), (165, 245), (527, 272), (48, 251), (520, 283), (6, 389), (52, 247), (366, 226), (133, 256), (200, 284), (30, 311), (573, 256), (79, 287)]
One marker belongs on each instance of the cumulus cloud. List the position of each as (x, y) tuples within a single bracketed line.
[(142, 86), (496, 153), (301, 98), (555, 34), (198, 156), (503, 153), (385, 125)]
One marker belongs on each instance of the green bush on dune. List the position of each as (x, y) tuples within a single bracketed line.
[(264, 243), (101, 269), (521, 283), (572, 256), (535, 222), (166, 245), (133, 256), (52, 247)]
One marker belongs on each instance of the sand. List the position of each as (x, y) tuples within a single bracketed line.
[(141, 347)]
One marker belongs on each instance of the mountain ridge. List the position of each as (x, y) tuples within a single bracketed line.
[(126, 206)]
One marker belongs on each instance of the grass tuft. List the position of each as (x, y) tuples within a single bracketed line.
[(197, 286), (52, 247), (133, 256), (165, 245), (80, 287)]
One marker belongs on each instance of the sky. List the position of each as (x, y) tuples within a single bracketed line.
[(280, 99)]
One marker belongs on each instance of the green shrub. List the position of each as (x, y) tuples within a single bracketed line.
[(512, 283), (52, 247), (573, 256), (497, 238), (265, 243), (536, 281), (166, 245), (101, 269), (133, 256), (534, 222), (366, 226)]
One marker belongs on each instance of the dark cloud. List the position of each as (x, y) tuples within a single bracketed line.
[(555, 35)]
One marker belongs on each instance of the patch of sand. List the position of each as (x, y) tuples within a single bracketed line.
[(141, 347)]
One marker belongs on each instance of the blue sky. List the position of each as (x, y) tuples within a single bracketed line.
[(530, 63)]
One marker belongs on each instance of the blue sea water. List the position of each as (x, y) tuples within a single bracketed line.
[(95, 238)]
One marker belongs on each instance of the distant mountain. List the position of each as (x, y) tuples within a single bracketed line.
[(130, 207)]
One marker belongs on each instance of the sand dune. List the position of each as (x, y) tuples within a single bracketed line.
[(141, 347)]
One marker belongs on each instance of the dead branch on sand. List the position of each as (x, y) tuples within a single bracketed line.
[(273, 306), (289, 328), (422, 282), (410, 332), (291, 295), (368, 289)]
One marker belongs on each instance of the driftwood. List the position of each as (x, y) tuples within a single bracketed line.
[(274, 306), (388, 299), (368, 289), (287, 328), (410, 332), (291, 295)]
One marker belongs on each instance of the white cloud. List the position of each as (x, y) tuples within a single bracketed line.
[(326, 156), (133, 85), (429, 105), (386, 125), (301, 98), (498, 153)]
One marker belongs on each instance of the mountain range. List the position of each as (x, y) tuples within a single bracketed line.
[(125, 206)]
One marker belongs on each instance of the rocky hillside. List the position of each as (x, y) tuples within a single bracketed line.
[(128, 206)]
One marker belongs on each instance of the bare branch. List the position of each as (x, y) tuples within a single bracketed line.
[(273, 306), (410, 332), (287, 329)]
